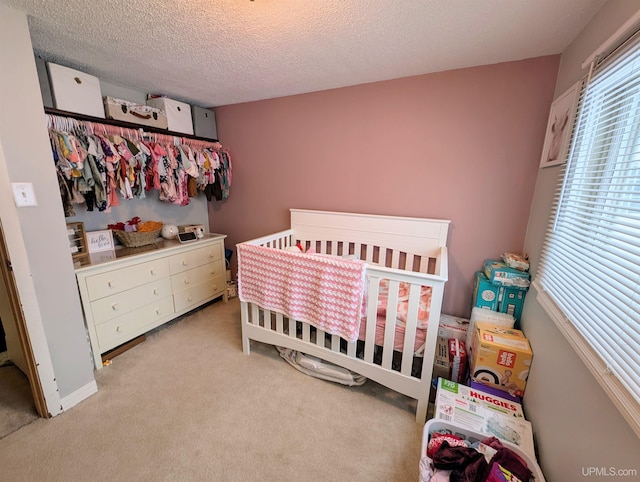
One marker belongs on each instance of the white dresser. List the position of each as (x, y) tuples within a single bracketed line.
[(148, 286)]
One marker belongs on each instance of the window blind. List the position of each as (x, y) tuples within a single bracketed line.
[(589, 273)]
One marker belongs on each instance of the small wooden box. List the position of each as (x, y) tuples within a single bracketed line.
[(78, 244)]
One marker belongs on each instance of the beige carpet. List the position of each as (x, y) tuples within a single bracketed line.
[(16, 402), (187, 404)]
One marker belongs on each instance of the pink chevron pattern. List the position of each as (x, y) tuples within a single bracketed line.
[(324, 291)]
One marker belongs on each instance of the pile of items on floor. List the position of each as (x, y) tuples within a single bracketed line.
[(479, 431)]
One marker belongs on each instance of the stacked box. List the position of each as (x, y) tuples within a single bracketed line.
[(457, 360), (485, 294), (453, 327), (500, 357), (487, 415), (512, 301), (501, 274)]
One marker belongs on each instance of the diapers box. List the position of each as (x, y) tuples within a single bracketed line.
[(492, 416), (500, 357), (485, 294), (453, 327), (501, 274), (512, 301)]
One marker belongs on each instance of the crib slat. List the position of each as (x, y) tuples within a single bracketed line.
[(323, 247), (306, 332), (390, 324), (255, 317), (395, 259), (320, 338), (351, 349), (334, 248), (372, 313), (266, 321), (408, 262), (369, 250), (292, 328), (279, 323), (335, 343), (357, 249), (410, 329)]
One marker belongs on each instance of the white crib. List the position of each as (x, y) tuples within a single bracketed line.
[(409, 252)]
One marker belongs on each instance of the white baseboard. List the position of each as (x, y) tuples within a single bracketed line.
[(79, 395)]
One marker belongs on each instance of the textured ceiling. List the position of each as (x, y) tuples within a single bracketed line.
[(217, 52)]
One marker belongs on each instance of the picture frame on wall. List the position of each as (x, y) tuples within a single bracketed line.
[(559, 126)]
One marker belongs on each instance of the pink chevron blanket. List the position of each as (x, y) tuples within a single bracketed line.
[(324, 291)]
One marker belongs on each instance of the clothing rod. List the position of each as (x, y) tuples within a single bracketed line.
[(128, 125)]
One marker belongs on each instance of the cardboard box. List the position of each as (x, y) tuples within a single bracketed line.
[(512, 301), (501, 357), (501, 274), (487, 415), (453, 327), (485, 294), (496, 392)]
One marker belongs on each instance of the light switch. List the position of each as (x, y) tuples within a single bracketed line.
[(23, 194)]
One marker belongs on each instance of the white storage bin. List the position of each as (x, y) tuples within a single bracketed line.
[(124, 110), (434, 425), (178, 114), (75, 91), (204, 122)]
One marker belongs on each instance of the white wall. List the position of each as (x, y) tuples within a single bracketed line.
[(44, 258), (575, 423)]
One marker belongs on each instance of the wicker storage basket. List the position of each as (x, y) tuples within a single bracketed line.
[(135, 239)]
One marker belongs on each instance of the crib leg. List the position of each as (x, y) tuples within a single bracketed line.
[(244, 316), (421, 411)]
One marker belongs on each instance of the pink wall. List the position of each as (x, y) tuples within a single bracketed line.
[(462, 145)]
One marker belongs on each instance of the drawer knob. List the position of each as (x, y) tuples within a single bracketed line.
[(152, 271), (157, 311), (118, 329), (215, 287), (189, 299), (211, 255), (115, 306), (186, 281), (155, 291), (184, 263), (110, 284)]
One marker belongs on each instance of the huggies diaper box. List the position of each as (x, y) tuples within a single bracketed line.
[(500, 357), (483, 413)]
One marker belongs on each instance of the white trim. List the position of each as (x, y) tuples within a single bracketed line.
[(615, 37), (622, 399), (79, 395), (26, 291)]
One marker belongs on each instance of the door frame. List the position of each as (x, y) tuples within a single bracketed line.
[(14, 268)]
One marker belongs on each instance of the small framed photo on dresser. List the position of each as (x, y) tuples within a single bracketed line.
[(99, 241)]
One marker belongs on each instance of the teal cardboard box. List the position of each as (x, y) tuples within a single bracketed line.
[(485, 294), (512, 301), (499, 273)]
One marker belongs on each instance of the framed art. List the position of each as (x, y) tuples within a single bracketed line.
[(559, 127), (98, 241)]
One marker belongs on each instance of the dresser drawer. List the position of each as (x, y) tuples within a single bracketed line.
[(195, 257), (196, 276), (119, 280), (194, 295), (115, 305), (126, 327)]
